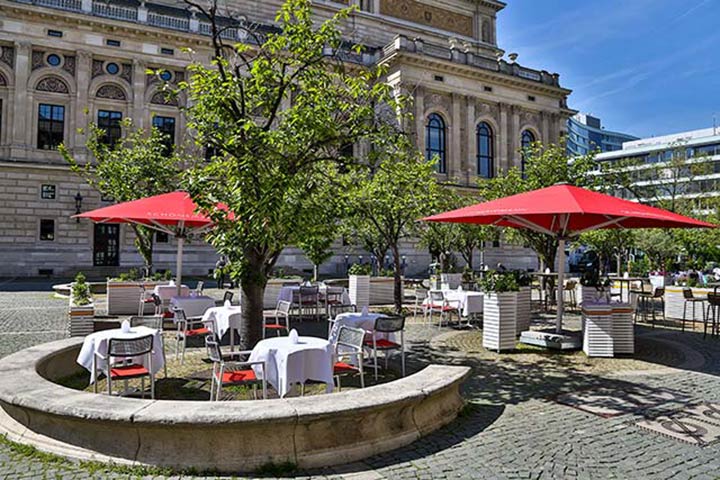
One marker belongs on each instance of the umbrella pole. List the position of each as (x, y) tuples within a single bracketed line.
[(178, 264), (560, 285)]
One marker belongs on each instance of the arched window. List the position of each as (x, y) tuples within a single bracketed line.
[(526, 140), (485, 151), (435, 141)]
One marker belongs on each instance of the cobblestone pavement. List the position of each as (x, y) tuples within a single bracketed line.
[(513, 429)]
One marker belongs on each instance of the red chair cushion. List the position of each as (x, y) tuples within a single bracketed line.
[(382, 343), (275, 326), (239, 376), (197, 331), (148, 300), (128, 371), (342, 367), (168, 315)]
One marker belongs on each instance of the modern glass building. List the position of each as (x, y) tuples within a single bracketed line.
[(586, 134)]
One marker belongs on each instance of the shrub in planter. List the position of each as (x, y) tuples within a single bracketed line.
[(499, 310), (594, 288), (81, 311)]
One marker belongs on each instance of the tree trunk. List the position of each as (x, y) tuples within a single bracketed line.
[(253, 291), (144, 243), (397, 294)]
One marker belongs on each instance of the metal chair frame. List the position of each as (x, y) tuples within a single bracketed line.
[(438, 303), (122, 348), (282, 310), (388, 324), (155, 322), (688, 297), (351, 339), (220, 367), (184, 325)]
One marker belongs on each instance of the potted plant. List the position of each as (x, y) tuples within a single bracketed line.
[(81, 311), (359, 284), (524, 300), (123, 291), (593, 288), (499, 310)]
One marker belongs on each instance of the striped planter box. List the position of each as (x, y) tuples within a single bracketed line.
[(123, 298), (524, 309), (499, 317), (623, 331), (597, 330), (382, 291), (591, 295), (359, 290), (80, 320)]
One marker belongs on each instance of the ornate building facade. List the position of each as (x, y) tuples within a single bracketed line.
[(65, 63)]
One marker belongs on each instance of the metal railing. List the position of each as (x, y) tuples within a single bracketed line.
[(102, 9), (167, 21), (74, 5)]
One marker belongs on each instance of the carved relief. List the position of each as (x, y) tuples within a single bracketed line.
[(126, 72), (487, 109), (69, 64), (52, 85), (3, 80), (160, 98), (7, 56), (38, 59), (437, 100), (529, 117), (97, 68), (111, 92), (426, 14)]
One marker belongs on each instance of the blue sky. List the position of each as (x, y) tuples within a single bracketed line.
[(645, 67)]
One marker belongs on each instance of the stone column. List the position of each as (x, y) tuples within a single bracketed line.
[(514, 131), (454, 160), (420, 117), (546, 136), (22, 110), (503, 158), (139, 111), (471, 157), (82, 115), (376, 6)]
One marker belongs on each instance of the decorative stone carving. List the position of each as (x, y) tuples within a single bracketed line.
[(52, 85), (425, 14), (160, 98), (437, 100), (126, 72), (7, 56), (3, 80), (111, 92), (69, 64), (486, 109), (38, 59), (97, 68), (529, 117)]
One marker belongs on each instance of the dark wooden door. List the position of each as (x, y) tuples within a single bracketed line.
[(106, 251)]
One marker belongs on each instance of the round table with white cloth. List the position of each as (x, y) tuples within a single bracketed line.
[(364, 321), (166, 292), (224, 318), (98, 342), (287, 363), (193, 306), (469, 303)]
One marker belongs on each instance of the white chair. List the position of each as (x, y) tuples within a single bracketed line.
[(121, 359), (333, 298), (421, 295), (199, 288), (189, 327), (386, 326), (438, 303), (349, 343), (337, 310), (226, 373), (272, 320)]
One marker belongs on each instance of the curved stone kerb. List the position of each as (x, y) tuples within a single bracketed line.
[(226, 436)]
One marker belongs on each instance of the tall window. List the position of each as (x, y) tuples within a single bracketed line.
[(109, 121), (485, 151), (51, 126), (526, 141), (435, 141), (166, 126)]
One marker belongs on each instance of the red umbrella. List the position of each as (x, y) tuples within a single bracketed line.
[(565, 211), (173, 213)]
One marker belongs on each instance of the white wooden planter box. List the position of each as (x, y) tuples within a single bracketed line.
[(499, 317), (597, 330), (454, 279), (123, 298), (359, 290), (623, 330), (382, 290), (80, 319), (524, 309), (591, 295)]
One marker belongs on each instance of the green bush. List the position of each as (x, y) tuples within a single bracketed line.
[(360, 269), (81, 291), (498, 282)]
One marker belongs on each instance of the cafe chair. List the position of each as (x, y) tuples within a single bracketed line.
[(155, 322), (437, 303), (199, 288), (227, 297), (309, 300), (227, 373), (339, 310), (333, 298), (349, 345), (692, 300), (123, 363), (273, 320), (712, 315), (385, 326), (146, 300), (188, 327)]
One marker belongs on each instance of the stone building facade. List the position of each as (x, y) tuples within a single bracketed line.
[(64, 63)]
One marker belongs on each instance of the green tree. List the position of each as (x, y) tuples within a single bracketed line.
[(438, 237), (395, 193), (545, 165), (135, 167), (610, 244), (275, 110)]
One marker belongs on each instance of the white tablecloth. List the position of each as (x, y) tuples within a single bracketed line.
[(357, 320), (287, 363), (224, 318), (193, 306), (98, 342), (286, 294), (166, 292), (469, 302)]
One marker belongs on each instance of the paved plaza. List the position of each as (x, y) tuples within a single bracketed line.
[(514, 425)]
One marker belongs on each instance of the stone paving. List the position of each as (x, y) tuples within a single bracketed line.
[(512, 429)]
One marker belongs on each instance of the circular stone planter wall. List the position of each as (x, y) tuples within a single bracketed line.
[(224, 436)]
